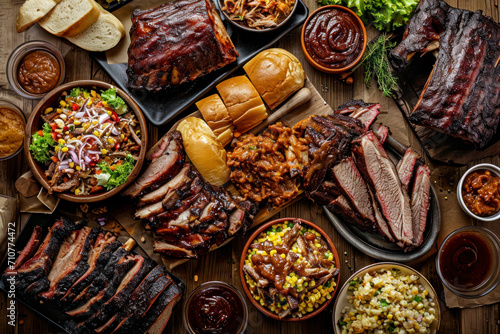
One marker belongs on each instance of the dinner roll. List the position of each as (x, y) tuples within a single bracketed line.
[(276, 74), (215, 114), (243, 102)]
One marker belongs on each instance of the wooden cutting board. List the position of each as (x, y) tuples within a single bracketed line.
[(315, 106), (438, 146)]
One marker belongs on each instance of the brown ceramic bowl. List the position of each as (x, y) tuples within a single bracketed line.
[(34, 125), (321, 67), (265, 310)]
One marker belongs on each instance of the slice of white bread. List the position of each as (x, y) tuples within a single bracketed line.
[(31, 11), (103, 35), (70, 17)]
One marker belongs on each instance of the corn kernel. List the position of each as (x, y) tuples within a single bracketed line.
[(59, 110), (89, 102), (426, 292), (96, 133), (94, 122), (317, 245), (122, 136), (109, 112), (77, 191), (63, 103), (283, 256), (72, 164), (104, 151), (61, 141), (112, 141), (57, 148), (93, 93), (77, 122), (104, 103), (263, 252), (78, 167), (49, 110), (389, 316), (64, 149)]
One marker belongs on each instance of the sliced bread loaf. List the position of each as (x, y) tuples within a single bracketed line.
[(103, 35), (70, 17), (31, 11)]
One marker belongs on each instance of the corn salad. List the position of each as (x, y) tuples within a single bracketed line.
[(388, 302)]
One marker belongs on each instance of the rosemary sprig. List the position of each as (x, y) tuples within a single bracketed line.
[(377, 65)]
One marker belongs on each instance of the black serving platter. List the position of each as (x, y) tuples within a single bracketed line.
[(49, 311), (373, 244), (161, 107)]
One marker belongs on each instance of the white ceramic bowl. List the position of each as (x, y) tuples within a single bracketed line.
[(493, 169), (342, 300)]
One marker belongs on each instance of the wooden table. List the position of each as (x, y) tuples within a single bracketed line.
[(223, 264)]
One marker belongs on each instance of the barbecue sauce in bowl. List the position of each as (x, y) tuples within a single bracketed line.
[(465, 260), (39, 72), (334, 38), (215, 308), (481, 193)]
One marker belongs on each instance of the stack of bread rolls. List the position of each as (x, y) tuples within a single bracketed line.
[(273, 76)]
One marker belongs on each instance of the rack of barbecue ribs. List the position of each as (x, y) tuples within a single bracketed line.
[(95, 280), (462, 95), (176, 42)]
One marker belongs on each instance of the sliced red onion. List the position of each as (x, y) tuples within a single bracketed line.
[(79, 114), (102, 221), (103, 118), (74, 156), (87, 159), (71, 146), (94, 137), (66, 161), (63, 166), (94, 152), (114, 132)]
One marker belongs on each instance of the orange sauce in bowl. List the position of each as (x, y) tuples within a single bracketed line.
[(12, 134)]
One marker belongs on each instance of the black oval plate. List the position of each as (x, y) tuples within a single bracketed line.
[(373, 244)]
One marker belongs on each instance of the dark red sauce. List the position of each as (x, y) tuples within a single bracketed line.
[(333, 38), (216, 310), (465, 260)]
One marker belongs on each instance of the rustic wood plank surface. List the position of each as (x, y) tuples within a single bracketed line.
[(223, 263)]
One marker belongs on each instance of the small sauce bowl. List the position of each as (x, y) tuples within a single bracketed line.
[(495, 171), (17, 58), (215, 305), (4, 104), (341, 21), (468, 248)]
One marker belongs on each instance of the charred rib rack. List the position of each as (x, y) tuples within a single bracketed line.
[(187, 214), (103, 287), (352, 175), (176, 43), (462, 95)]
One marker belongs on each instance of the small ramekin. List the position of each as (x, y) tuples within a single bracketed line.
[(211, 284), (493, 279), (17, 56), (9, 105), (492, 168)]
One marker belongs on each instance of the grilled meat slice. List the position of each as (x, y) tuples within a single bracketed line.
[(364, 112), (355, 190), (340, 206), (420, 201), (71, 262), (169, 249), (325, 194), (29, 250), (381, 131), (161, 169), (139, 303), (175, 183), (36, 269), (157, 317), (381, 224), (98, 257), (406, 166), (381, 174), (127, 285), (176, 43)]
